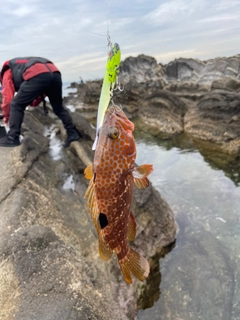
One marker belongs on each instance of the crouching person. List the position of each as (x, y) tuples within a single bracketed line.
[(31, 77)]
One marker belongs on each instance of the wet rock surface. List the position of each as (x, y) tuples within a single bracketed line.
[(49, 262)]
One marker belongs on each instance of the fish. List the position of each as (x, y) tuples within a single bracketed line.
[(109, 194), (110, 77)]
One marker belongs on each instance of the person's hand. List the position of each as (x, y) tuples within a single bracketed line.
[(6, 120)]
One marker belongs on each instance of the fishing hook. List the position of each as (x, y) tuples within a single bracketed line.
[(118, 86)]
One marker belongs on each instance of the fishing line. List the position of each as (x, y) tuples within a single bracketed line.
[(98, 34), (108, 32), (115, 86)]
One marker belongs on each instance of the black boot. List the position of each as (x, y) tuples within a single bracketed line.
[(8, 141), (72, 135)]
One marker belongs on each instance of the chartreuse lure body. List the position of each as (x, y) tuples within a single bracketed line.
[(110, 76)]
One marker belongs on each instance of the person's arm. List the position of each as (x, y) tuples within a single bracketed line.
[(8, 91)]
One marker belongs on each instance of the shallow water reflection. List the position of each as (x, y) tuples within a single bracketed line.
[(200, 277)]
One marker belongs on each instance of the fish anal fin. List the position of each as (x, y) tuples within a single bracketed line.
[(141, 183), (135, 264), (89, 172), (132, 226), (126, 273), (103, 249)]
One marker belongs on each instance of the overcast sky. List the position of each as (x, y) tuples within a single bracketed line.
[(72, 33)]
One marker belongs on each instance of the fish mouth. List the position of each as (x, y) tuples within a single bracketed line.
[(121, 117)]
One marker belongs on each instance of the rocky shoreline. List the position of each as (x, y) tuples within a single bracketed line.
[(49, 263), (198, 98)]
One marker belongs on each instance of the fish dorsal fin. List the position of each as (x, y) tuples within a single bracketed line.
[(140, 175), (132, 227), (104, 251), (89, 172)]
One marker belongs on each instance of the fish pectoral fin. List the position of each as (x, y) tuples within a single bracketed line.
[(89, 172), (141, 183), (132, 227), (103, 249), (135, 264), (142, 171), (92, 202), (140, 175)]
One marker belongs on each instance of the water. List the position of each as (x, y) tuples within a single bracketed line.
[(200, 277), (55, 144), (66, 90)]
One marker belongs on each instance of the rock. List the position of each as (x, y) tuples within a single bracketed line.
[(213, 118), (178, 71), (226, 83), (49, 263), (171, 99), (162, 113), (141, 69)]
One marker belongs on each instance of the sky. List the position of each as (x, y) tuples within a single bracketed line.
[(73, 33)]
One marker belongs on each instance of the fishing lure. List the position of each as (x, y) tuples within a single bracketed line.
[(109, 80)]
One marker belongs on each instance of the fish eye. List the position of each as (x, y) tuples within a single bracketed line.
[(113, 133)]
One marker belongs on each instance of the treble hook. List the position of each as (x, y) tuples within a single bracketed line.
[(118, 85), (112, 102)]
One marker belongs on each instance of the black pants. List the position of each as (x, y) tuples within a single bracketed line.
[(48, 83)]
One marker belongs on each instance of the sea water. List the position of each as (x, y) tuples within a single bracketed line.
[(200, 277)]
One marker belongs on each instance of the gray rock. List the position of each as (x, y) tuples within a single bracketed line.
[(49, 263), (212, 119), (166, 100), (141, 69)]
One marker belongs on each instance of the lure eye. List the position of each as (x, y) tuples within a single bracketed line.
[(113, 133)]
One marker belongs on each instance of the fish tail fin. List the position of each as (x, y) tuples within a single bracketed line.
[(135, 264)]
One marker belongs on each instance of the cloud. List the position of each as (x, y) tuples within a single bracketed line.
[(221, 18), (23, 11), (173, 11), (225, 5), (176, 54), (73, 33), (18, 9)]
